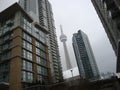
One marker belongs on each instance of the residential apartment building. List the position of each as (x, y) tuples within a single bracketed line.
[(109, 13), (24, 55), (84, 56), (41, 12)]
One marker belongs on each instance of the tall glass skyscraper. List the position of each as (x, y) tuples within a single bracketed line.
[(41, 12), (84, 56)]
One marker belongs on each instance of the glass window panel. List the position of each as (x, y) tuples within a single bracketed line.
[(29, 66), (24, 53), (24, 44), (38, 60), (27, 45), (27, 37), (27, 54), (28, 76), (37, 51), (23, 75), (39, 69), (39, 77), (31, 76), (23, 64)]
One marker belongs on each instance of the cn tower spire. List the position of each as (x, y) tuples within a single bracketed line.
[(63, 39), (61, 29)]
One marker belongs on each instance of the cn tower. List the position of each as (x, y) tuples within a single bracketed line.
[(63, 39)]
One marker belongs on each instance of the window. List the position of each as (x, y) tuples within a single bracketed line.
[(27, 76), (5, 55), (27, 45), (24, 53), (24, 44), (5, 46), (42, 40), (41, 46), (37, 44), (23, 75), (45, 71), (38, 60), (5, 29), (29, 29), (44, 62), (39, 69), (41, 61), (37, 51), (4, 72), (27, 65), (39, 78), (5, 38), (23, 64), (24, 26), (27, 54), (6, 26), (43, 54), (42, 70), (27, 37), (39, 34), (33, 30), (27, 25)]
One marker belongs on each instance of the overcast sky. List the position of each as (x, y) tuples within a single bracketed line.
[(75, 15), (80, 14)]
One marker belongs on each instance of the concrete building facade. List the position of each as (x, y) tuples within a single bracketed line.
[(84, 56)]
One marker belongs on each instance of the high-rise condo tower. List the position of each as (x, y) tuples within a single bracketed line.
[(41, 12), (84, 56)]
